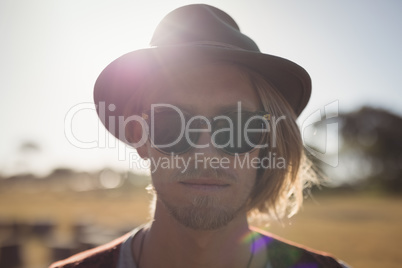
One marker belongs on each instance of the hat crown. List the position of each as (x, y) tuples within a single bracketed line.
[(200, 24)]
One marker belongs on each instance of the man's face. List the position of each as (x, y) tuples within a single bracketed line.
[(203, 188)]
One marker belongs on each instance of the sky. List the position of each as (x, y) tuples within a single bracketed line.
[(52, 52)]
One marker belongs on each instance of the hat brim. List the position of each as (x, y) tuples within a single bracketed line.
[(121, 78)]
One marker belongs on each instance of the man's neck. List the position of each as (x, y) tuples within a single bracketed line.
[(168, 243)]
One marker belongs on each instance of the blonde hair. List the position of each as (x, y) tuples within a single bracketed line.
[(278, 192)]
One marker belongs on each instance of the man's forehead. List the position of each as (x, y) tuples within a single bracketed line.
[(179, 84), (175, 75)]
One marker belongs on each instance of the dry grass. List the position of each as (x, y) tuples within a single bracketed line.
[(364, 231)]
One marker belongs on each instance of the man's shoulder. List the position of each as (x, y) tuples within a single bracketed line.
[(105, 256), (284, 253)]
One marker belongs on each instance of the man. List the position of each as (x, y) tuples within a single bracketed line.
[(216, 118)]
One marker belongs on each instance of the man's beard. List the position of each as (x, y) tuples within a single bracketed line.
[(205, 213)]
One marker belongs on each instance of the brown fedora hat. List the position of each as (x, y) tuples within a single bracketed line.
[(194, 33)]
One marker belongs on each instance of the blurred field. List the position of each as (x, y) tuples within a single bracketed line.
[(362, 230)]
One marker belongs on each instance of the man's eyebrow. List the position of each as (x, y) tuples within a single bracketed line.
[(182, 107), (234, 107), (220, 110), (223, 109), (228, 108)]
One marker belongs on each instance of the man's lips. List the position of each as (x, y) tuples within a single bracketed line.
[(205, 184)]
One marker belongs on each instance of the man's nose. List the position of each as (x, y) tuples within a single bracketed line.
[(204, 143)]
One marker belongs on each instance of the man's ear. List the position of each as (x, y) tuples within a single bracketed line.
[(137, 137)]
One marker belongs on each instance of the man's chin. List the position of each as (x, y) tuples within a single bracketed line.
[(202, 218), (202, 215)]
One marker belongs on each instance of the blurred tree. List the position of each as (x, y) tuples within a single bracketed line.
[(27, 154), (29, 146), (375, 135)]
